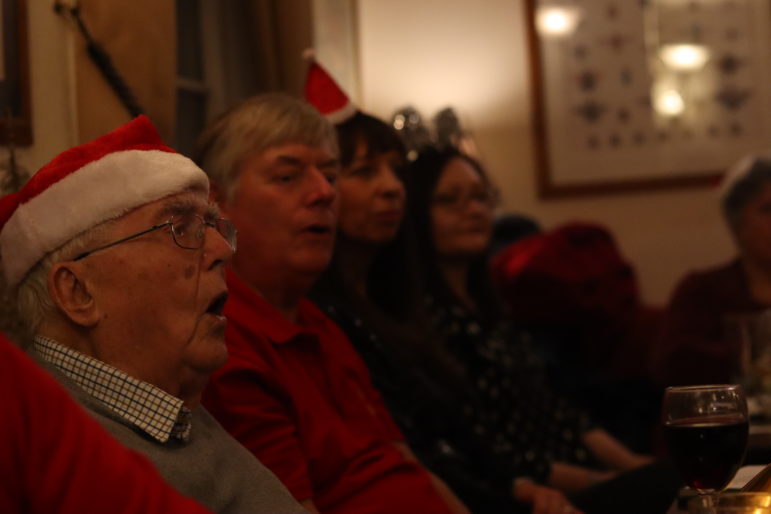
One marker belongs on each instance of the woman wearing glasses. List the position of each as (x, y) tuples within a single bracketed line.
[(451, 203)]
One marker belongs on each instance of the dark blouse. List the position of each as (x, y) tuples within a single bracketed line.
[(525, 417), (434, 424)]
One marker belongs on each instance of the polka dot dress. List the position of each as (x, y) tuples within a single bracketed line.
[(440, 427), (526, 418)]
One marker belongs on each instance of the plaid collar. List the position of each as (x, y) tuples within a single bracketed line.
[(154, 411)]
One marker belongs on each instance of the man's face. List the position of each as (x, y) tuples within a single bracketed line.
[(284, 208), (160, 304)]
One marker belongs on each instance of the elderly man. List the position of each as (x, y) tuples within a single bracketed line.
[(118, 258), (294, 391)]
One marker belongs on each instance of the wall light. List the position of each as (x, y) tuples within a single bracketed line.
[(558, 21), (684, 57), (668, 101)]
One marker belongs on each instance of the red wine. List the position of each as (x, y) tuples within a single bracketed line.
[(708, 451)]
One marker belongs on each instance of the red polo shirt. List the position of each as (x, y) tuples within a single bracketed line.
[(299, 397)]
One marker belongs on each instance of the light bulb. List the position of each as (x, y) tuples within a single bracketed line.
[(684, 57), (669, 102), (557, 21)]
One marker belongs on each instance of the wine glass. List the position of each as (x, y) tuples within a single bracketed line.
[(706, 430)]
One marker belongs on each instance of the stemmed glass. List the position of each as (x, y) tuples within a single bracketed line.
[(706, 430)]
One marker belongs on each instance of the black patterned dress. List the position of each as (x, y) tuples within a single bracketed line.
[(432, 420), (526, 418)]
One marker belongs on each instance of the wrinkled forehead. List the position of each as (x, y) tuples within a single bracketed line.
[(298, 153), (189, 201)]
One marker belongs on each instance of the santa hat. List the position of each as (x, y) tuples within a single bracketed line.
[(322, 92), (85, 186), (740, 170)]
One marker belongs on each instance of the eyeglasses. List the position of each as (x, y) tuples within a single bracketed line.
[(187, 230), (457, 200)]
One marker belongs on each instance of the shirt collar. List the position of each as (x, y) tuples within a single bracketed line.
[(265, 319), (149, 408)]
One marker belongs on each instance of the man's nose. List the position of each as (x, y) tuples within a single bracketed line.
[(321, 189), (217, 249)]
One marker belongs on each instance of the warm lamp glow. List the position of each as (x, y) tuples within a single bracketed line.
[(557, 21), (684, 57), (669, 102)]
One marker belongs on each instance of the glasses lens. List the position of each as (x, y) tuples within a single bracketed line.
[(187, 230), (227, 230)]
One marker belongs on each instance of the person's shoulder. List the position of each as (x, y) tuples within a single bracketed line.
[(314, 316), (711, 277)]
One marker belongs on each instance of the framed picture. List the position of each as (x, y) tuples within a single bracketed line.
[(632, 95), (15, 110)]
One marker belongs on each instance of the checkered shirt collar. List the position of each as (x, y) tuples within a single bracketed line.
[(154, 411)]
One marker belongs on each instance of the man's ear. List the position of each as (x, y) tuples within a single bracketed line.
[(72, 294)]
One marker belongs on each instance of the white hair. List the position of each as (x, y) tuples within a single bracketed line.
[(33, 300)]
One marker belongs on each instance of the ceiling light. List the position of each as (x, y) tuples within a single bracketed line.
[(684, 57)]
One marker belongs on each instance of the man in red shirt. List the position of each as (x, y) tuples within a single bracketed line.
[(294, 391), (55, 458)]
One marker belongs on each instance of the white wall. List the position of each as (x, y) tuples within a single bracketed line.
[(473, 56)]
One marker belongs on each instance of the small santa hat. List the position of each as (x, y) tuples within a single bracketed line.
[(739, 171), (322, 92), (85, 186)]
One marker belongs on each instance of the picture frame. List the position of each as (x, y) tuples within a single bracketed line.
[(15, 105), (596, 94)]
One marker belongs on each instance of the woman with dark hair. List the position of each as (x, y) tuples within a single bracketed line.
[(373, 293), (698, 344), (451, 203)]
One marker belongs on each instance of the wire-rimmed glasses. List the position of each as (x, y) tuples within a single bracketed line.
[(187, 230)]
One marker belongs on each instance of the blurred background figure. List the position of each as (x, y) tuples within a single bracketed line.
[(700, 342), (578, 295), (509, 228), (450, 134)]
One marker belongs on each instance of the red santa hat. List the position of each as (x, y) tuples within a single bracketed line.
[(739, 171), (85, 186), (322, 92)]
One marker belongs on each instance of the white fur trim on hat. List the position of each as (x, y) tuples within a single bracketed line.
[(99, 191)]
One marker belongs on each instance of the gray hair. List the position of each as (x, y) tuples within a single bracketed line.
[(33, 300), (259, 123), (744, 190)]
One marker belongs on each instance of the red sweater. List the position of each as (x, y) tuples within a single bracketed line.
[(300, 398), (696, 347), (55, 458)]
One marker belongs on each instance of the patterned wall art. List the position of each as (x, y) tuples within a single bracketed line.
[(647, 94)]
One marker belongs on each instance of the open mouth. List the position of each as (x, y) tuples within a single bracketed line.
[(217, 306)]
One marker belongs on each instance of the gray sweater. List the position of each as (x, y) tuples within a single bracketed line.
[(211, 466)]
